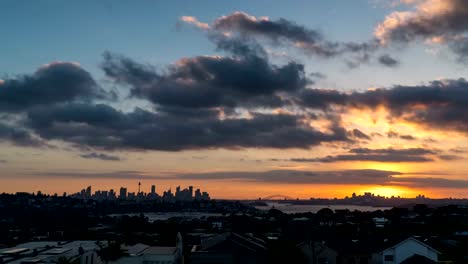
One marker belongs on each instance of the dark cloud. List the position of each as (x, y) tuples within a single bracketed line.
[(367, 157), (104, 127), (278, 31), (450, 157), (213, 102), (356, 133), (198, 112), (408, 151), (441, 104), (460, 47), (277, 176), (371, 177), (393, 134), (431, 18), (436, 93), (206, 82), (379, 155), (100, 156), (321, 98), (19, 137), (433, 21), (378, 177), (92, 175), (298, 177), (387, 60), (199, 157), (284, 32), (407, 137), (459, 150), (53, 83), (431, 182)]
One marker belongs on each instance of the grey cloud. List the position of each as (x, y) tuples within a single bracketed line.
[(393, 134), (367, 157), (299, 177), (284, 32), (431, 182), (278, 176), (379, 155), (407, 137), (104, 127), (378, 177), (100, 156), (460, 47), (459, 150), (450, 157), (277, 31), (206, 82), (90, 175), (19, 137), (387, 60), (359, 134), (439, 104), (435, 22), (445, 20), (373, 177), (321, 98), (52, 83), (408, 151)]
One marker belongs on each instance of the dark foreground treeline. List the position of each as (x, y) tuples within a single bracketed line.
[(26, 218)]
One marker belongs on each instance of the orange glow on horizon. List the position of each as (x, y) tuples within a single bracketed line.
[(226, 189), (389, 191)]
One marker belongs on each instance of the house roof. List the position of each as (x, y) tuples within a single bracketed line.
[(136, 249), (414, 239), (226, 241), (160, 251), (369, 246), (417, 259)]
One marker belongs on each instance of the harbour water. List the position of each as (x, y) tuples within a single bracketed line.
[(304, 208)]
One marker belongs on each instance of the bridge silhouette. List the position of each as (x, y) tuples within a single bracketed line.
[(277, 197)]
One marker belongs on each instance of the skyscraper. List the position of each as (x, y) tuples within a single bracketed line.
[(153, 189), (123, 193), (191, 191), (88, 192)]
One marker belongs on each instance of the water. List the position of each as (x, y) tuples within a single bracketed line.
[(167, 215), (305, 208)]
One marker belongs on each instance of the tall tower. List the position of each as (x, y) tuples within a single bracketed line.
[(153, 189), (139, 185)]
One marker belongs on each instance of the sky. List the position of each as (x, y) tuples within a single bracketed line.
[(243, 99)]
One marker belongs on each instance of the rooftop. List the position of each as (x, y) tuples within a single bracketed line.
[(11, 251), (160, 251)]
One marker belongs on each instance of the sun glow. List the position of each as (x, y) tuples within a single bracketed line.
[(389, 191)]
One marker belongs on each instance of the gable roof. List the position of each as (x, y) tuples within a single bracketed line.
[(414, 239), (417, 259)]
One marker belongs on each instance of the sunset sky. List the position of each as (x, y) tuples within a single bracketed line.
[(243, 99)]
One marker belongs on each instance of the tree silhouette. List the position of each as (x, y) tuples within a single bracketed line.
[(111, 252)]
